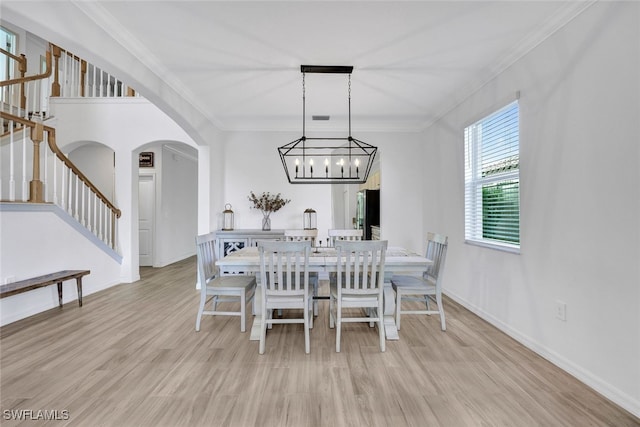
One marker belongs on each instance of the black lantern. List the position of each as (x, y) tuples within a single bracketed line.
[(227, 222), (310, 220)]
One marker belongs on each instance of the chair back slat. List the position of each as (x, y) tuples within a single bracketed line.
[(436, 251), (284, 266), (297, 235), (347, 234), (361, 266), (206, 257)]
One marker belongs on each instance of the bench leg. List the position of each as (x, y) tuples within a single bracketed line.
[(79, 286), (60, 293)]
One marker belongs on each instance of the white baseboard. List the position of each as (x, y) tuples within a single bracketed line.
[(597, 384)]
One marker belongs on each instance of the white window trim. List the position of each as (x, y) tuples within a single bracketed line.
[(510, 175)]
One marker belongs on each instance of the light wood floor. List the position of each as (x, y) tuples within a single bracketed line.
[(131, 357)]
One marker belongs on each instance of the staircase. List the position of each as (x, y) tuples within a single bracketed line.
[(33, 169)]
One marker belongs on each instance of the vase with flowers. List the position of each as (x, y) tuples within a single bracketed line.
[(267, 203)]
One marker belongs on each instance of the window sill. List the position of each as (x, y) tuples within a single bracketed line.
[(505, 247)]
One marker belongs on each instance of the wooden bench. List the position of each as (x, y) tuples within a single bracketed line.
[(46, 280)]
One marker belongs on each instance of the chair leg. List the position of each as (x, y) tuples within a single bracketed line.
[(443, 326), (315, 294), (203, 300), (243, 312), (338, 326), (381, 328), (307, 342), (332, 320), (263, 331), (398, 307)]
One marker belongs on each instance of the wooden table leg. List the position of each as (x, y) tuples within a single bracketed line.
[(60, 293), (79, 286)]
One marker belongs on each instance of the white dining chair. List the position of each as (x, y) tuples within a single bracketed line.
[(426, 287), (298, 235), (284, 275), (347, 234), (215, 288), (360, 284), (336, 235)]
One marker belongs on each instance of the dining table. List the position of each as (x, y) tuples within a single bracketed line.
[(325, 260)]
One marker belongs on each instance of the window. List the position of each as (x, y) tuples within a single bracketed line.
[(8, 43), (492, 180)]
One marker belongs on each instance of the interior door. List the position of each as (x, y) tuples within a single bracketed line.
[(146, 218)]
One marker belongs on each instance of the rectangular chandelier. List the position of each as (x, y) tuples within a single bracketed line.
[(326, 160)]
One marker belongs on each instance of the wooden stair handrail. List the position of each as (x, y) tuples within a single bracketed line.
[(7, 133), (44, 75), (22, 68), (51, 140), (21, 58)]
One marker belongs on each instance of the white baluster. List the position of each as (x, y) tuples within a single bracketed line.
[(26, 95), (12, 181), (101, 81), (70, 191), (84, 210), (86, 82), (77, 197), (2, 195), (99, 221), (95, 214), (63, 176), (107, 213), (107, 216), (93, 90), (34, 92), (55, 179), (45, 181), (10, 98), (89, 222), (74, 76), (25, 195), (64, 91)]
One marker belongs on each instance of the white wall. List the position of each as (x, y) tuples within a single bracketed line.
[(35, 243), (252, 163), (580, 202), (124, 125), (178, 213), (96, 163)]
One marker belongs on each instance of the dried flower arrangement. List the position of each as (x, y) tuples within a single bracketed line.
[(267, 202)]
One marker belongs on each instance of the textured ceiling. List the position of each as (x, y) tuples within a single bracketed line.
[(239, 62)]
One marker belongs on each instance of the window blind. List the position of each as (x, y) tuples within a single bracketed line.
[(492, 178)]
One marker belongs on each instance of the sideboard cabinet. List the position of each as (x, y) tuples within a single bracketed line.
[(233, 240)]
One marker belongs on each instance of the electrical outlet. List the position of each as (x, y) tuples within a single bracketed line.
[(561, 311)]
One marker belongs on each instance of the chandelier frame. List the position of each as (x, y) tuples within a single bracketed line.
[(354, 157)]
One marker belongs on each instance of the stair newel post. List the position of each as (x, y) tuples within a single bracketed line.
[(35, 186), (55, 86), (83, 76), (22, 67)]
